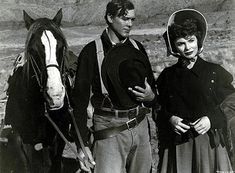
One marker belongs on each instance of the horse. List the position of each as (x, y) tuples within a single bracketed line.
[(38, 87)]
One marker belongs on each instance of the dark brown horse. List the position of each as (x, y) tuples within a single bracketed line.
[(38, 88)]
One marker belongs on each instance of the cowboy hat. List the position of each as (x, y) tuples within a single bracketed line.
[(178, 18), (124, 67)]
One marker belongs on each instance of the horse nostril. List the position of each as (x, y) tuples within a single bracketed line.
[(56, 93)]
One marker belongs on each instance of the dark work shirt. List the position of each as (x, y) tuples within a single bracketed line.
[(87, 79)]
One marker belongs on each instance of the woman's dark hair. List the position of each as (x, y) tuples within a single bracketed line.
[(118, 8), (188, 28)]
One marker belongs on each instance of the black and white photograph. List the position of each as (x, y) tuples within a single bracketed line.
[(117, 86)]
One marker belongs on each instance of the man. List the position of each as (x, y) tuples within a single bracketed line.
[(115, 150)]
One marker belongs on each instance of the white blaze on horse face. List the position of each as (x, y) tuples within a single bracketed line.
[(55, 88)]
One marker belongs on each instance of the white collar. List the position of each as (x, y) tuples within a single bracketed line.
[(190, 66), (123, 41)]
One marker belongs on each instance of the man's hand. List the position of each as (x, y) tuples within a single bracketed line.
[(178, 126), (89, 164), (202, 125), (143, 94)]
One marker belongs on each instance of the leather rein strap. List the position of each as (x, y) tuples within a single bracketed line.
[(77, 132), (70, 109), (62, 135), (38, 76)]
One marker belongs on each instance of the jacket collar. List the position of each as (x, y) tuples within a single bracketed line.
[(197, 68)]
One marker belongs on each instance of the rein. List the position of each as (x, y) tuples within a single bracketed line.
[(38, 75), (61, 134), (70, 110), (64, 75)]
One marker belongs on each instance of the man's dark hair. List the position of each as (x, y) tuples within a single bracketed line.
[(118, 8), (188, 28)]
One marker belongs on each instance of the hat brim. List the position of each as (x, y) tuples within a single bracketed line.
[(178, 17)]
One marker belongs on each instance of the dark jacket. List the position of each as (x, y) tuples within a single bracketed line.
[(87, 77), (192, 94), (228, 107)]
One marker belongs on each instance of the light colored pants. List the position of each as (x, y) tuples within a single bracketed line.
[(128, 152)]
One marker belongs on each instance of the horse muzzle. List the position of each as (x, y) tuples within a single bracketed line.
[(55, 99)]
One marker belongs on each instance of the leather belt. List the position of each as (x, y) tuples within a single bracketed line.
[(130, 113), (113, 131)]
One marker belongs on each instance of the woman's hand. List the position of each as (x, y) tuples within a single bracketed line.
[(202, 125), (143, 94), (178, 126)]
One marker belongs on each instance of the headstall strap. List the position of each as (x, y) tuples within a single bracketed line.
[(62, 66), (36, 71), (52, 65)]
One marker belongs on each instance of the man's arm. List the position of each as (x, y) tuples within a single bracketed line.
[(81, 91), (80, 100)]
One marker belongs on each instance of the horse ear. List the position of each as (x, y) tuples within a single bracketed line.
[(27, 20), (58, 17)]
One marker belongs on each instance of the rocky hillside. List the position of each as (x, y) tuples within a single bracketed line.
[(84, 12)]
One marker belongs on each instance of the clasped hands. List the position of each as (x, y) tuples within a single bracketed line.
[(201, 125)]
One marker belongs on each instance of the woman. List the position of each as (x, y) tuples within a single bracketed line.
[(190, 121)]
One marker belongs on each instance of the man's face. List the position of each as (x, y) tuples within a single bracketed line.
[(123, 24), (187, 47)]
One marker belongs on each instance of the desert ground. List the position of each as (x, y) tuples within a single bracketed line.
[(219, 48)]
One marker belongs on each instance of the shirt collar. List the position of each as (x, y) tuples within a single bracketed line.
[(114, 44)]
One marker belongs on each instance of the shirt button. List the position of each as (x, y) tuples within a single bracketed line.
[(212, 81)]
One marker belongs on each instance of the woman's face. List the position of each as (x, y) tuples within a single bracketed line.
[(187, 47)]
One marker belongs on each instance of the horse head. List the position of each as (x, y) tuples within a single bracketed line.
[(45, 49)]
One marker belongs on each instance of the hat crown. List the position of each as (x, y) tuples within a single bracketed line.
[(132, 73), (124, 66)]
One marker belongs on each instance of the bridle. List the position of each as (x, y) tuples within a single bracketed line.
[(38, 73)]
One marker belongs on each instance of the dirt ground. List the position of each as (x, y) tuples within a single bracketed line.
[(219, 47)]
